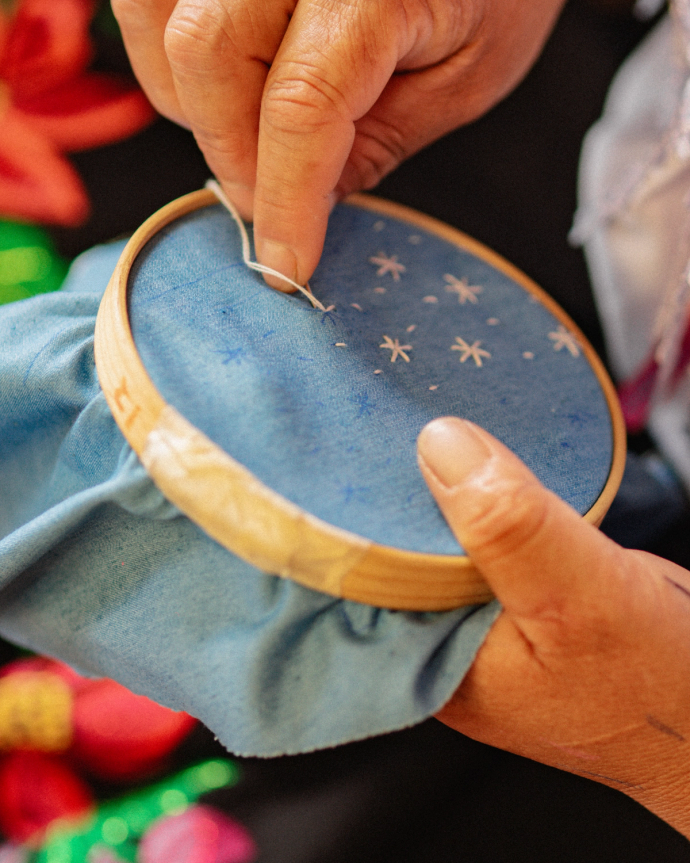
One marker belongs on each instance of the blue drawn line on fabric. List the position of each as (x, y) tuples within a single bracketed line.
[(232, 355), (270, 333), (45, 347), (361, 401), (202, 278), (305, 359), (580, 418), (329, 316), (356, 493)]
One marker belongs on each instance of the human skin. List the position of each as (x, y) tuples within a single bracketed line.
[(586, 668), (296, 103)]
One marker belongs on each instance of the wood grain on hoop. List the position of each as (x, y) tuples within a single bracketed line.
[(250, 519)]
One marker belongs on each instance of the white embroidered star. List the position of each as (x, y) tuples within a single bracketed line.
[(472, 350), (387, 264), (396, 349), (463, 289), (564, 339)]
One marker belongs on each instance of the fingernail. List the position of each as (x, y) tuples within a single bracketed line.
[(451, 449), (279, 257)]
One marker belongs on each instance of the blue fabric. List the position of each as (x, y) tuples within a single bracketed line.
[(97, 568), (293, 393)]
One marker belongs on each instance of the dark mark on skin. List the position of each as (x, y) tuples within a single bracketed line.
[(679, 586), (609, 779), (665, 729), (577, 770)]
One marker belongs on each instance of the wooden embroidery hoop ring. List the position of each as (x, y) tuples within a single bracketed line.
[(245, 516)]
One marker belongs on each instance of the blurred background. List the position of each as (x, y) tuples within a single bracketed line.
[(424, 794)]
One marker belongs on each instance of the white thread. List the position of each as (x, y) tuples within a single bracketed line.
[(214, 187)]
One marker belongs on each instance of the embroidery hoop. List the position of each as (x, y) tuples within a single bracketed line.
[(250, 519)]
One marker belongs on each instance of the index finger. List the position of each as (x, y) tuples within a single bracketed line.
[(219, 53), (333, 63)]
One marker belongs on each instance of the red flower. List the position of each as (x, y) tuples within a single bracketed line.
[(120, 735), (51, 717), (50, 104), (36, 791)]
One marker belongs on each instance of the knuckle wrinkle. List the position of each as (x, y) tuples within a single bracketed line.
[(506, 518)]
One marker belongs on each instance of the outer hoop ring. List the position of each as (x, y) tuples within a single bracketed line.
[(231, 505)]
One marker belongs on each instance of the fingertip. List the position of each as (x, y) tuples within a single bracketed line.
[(281, 258), (450, 449)]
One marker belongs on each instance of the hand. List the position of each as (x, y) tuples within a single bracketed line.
[(296, 103), (588, 667)]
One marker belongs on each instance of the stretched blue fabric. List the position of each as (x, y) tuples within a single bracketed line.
[(320, 405), (97, 568)]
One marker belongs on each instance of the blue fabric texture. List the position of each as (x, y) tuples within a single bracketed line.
[(314, 406), (97, 568)]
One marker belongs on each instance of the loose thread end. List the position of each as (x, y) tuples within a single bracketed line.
[(214, 186)]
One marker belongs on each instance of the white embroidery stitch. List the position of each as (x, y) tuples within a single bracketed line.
[(214, 187), (474, 350), (463, 289), (387, 264), (563, 339), (396, 349)]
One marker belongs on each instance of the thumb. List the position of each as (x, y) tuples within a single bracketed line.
[(537, 554)]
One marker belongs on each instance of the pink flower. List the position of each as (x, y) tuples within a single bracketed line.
[(200, 834), (50, 104)]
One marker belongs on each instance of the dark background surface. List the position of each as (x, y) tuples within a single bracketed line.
[(428, 794)]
